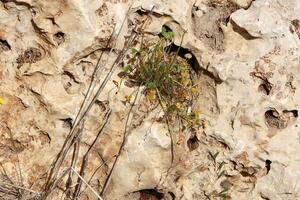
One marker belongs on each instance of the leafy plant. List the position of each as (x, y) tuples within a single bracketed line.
[(219, 173), (213, 155), (166, 34), (215, 194), (165, 76)]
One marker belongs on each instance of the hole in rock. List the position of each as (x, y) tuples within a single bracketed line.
[(192, 61), (293, 112), (295, 27), (185, 54), (31, 55), (193, 143), (4, 45), (274, 120), (245, 174), (150, 194), (102, 104), (268, 165), (59, 37), (67, 122), (265, 88)]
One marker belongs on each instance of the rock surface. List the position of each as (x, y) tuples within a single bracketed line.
[(247, 53)]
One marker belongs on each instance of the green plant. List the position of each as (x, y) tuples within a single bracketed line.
[(219, 173), (215, 194), (165, 77)]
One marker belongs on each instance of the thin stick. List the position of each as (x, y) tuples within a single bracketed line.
[(18, 187), (62, 154), (86, 156), (106, 183), (73, 163), (99, 197), (97, 65), (168, 125), (52, 184), (96, 170)]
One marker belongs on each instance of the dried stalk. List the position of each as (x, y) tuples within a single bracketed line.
[(90, 187), (108, 178), (70, 139), (86, 156), (73, 163)]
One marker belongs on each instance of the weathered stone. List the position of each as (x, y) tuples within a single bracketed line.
[(246, 54)]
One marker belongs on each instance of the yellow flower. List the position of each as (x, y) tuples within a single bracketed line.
[(184, 73), (185, 82), (128, 98), (205, 123), (178, 105), (151, 95), (1, 101), (194, 90)]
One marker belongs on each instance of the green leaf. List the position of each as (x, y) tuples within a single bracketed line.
[(177, 68), (151, 85), (127, 69), (214, 156), (166, 34), (223, 194), (221, 174), (134, 51), (221, 165)]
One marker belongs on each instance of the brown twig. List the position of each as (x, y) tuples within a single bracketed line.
[(73, 163), (107, 180), (55, 181), (86, 156), (168, 125), (69, 140)]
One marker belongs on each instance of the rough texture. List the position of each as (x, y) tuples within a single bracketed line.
[(247, 56)]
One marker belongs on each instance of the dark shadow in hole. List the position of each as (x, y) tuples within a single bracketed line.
[(265, 87), (191, 59), (142, 12), (67, 122), (150, 194), (193, 143), (268, 165), (294, 112), (59, 37), (5, 46), (245, 174), (71, 76), (102, 104), (183, 53), (274, 120)]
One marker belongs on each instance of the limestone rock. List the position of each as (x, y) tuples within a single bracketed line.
[(246, 54)]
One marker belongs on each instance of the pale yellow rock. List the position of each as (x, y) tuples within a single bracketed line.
[(248, 56)]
